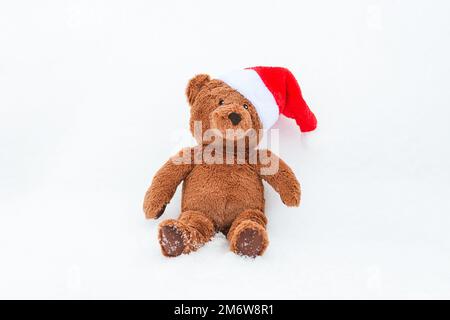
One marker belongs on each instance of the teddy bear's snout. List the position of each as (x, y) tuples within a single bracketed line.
[(230, 117), (235, 118)]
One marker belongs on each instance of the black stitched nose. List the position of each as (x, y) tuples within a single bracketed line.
[(235, 118)]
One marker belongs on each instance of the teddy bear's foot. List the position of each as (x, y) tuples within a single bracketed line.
[(250, 239), (191, 231), (172, 240), (247, 235)]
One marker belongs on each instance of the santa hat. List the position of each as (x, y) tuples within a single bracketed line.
[(272, 91)]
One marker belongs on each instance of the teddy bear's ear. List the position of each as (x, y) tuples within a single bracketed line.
[(195, 85)]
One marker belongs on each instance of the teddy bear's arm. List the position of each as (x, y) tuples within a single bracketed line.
[(165, 183), (280, 177)]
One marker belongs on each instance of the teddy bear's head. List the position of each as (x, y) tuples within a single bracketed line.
[(217, 106)]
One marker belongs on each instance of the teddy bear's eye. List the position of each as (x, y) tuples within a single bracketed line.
[(245, 106), (221, 102)]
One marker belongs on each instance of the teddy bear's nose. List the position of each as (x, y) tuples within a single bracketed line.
[(235, 118)]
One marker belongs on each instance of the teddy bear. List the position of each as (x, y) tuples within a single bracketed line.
[(222, 177)]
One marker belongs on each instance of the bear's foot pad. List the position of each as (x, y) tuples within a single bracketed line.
[(250, 243), (171, 241)]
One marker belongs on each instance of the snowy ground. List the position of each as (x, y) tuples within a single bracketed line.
[(91, 104)]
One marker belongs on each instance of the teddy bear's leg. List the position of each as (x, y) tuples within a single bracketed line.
[(247, 234), (188, 233)]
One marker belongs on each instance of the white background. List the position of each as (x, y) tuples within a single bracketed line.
[(92, 104)]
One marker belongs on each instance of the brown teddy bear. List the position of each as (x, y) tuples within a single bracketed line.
[(222, 176)]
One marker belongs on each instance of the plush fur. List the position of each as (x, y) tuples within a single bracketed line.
[(226, 198)]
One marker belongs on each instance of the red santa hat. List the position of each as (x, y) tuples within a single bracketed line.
[(272, 91)]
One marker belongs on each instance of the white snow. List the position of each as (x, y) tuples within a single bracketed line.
[(92, 104)]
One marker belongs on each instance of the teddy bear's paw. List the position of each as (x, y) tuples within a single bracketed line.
[(292, 198), (249, 239), (172, 240), (154, 212)]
